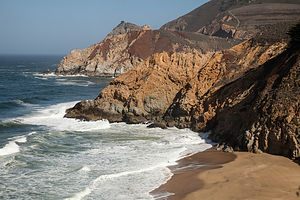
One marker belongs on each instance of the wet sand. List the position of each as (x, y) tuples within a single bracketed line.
[(219, 175)]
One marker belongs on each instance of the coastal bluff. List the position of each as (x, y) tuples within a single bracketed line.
[(214, 26), (246, 95), (253, 107), (128, 45)]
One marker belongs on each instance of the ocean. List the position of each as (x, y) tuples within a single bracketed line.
[(46, 156)]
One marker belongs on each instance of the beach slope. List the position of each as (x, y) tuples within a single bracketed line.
[(239, 175)]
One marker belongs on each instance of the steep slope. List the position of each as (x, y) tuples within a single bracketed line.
[(236, 19), (147, 91), (128, 44), (260, 111)]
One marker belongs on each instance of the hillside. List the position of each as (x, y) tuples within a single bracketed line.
[(236, 19), (214, 26), (128, 44)]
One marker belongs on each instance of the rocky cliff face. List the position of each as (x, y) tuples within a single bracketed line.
[(247, 106), (259, 111), (216, 25), (147, 91), (128, 44), (223, 68), (247, 95)]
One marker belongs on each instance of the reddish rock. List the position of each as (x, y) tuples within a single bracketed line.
[(125, 48)]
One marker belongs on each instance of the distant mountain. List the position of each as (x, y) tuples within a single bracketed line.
[(236, 18)]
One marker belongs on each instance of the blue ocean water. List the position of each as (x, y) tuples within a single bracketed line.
[(46, 156)]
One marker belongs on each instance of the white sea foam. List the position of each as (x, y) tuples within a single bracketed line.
[(121, 162), (80, 195), (52, 74), (74, 82), (94, 184), (53, 117), (20, 102), (9, 148), (32, 133), (42, 78), (154, 157), (85, 169), (12, 147)]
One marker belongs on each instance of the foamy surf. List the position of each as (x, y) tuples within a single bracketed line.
[(85, 169), (156, 172), (78, 160), (95, 183), (12, 147), (74, 82), (122, 162), (52, 74), (53, 117)]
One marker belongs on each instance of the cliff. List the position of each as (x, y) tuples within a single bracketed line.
[(159, 83), (214, 26), (247, 96), (259, 111), (128, 45)]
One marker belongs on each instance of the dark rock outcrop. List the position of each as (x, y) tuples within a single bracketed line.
[(259, 111)]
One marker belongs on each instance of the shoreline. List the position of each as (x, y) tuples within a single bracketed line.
[(213, 174)]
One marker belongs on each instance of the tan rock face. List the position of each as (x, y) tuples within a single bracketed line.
[(110, 57), (145, 92), (247, 106), (221, 69)]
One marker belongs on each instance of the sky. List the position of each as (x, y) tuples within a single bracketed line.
[(58, 26)]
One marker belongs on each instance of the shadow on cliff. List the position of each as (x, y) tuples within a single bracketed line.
[(261, 109)]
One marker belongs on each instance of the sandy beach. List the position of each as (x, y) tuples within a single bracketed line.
[(219, 175)]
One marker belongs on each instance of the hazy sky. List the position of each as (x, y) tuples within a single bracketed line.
[(58, 26)]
